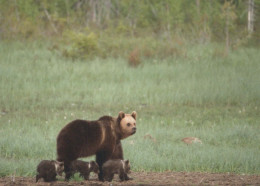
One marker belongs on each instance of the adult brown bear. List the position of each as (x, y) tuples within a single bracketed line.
[(81, 138)]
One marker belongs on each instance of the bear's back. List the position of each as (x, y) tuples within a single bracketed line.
[(45, 166), (80, 130), (81, 138), (112, 166)]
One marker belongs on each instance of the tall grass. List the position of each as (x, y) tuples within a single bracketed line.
[(212, 97)]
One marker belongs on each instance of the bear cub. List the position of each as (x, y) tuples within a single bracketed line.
[(84, 168), (117, 166), (49, 169)]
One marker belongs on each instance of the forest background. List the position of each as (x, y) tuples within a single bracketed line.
[(144, 29)]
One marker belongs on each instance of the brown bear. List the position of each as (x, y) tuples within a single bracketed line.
[(84, 168), (120, 167), (48, 170), (102, 137)]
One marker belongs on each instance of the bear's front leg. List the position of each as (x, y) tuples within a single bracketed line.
[(101, 158), (85, 176), (68, 171), (122, 176), (127, 178), (118, 151), (37, 177), (118, 154)]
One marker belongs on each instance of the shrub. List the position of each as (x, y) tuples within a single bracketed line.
[(81, 46)]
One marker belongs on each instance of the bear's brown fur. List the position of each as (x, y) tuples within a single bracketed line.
[(48, 170), (84, 168), (120, 167), (81, 138)]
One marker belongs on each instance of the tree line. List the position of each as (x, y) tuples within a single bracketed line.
[(229, 21)]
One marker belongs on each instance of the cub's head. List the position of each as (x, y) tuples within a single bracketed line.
[(127, 166), (59, 167), (93, 166), (127, 124)]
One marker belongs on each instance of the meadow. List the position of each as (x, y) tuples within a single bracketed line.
[(214, 98)]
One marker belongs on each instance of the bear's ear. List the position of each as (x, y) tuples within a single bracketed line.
[(121, 115), (126, 162), (93, 163), (134, 115), (61, 163)]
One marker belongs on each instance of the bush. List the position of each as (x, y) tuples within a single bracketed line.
[(87, 44), (81, 45)]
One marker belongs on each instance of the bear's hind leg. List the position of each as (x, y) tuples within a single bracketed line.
[(111, 177), (50, 177)]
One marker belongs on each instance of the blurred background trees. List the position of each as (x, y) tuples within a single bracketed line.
[(233, 22)]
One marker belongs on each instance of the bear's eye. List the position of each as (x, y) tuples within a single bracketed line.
[(128, 124)]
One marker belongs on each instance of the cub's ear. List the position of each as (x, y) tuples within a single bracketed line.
[(61, 163), (121, 115), (134, 114), (126, 162), (93, 163)]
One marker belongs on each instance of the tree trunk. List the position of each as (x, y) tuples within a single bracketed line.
[(93, 11), (227, 35), (198, 6), (227, 14), (250, 17), (50, 20), (17, 12), (108, 8)]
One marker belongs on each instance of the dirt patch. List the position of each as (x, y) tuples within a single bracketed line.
[(150, 178)]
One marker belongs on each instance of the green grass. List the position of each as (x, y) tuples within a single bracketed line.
[(214, 98)]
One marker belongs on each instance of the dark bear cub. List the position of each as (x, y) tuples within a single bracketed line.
[(117, 166), (84, 168), (48, 170)]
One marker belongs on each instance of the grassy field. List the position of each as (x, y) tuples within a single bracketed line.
[(214, 98)]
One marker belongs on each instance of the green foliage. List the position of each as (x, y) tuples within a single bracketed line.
[(199, 20), (90, 43), (213, 98), (82, 46), (157, 30)]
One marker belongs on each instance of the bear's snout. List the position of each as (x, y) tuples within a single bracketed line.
[(133, 130)]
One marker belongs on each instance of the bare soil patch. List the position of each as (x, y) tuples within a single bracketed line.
[(150, 178)]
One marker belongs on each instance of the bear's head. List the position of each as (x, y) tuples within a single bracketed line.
[(127, 166), (94, 167), (127, 124), (59, 167)]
